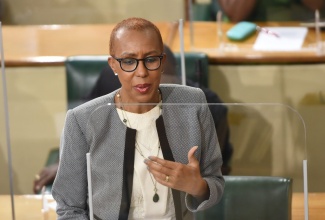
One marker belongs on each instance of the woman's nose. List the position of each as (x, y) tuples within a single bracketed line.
[(141, 70)]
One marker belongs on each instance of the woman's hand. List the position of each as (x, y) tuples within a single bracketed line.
[(46, 176), (186, 178)]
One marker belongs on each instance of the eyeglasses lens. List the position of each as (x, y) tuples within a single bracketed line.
[(130, 64)]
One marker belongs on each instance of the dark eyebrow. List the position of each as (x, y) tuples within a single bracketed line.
[(128, 54), (151, 53)]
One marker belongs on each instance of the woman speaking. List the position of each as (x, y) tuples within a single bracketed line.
[(154, 147)]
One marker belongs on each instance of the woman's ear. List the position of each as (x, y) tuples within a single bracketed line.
[(164, 58), (163, 62), (111, 63)]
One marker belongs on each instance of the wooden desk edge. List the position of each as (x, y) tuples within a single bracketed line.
[(59, 60), (36, 61)]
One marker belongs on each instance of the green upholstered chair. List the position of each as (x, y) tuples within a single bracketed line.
[(53, 156), (252, 198), (196, 67), (82, 73), (202, 11)]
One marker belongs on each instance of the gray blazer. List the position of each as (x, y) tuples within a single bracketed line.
[(95, 127)]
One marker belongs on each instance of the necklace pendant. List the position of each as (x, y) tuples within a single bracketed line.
[(155, 198)]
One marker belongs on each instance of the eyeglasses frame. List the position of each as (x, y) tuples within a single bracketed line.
[(143, 60)]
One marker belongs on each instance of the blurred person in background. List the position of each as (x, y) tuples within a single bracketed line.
[(268, 10)]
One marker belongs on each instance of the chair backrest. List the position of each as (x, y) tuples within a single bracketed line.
[(83, 71), (203, 11), (53, 156), (252, 198), (196, 67)]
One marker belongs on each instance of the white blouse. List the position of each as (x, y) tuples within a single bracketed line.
[(147, 144)]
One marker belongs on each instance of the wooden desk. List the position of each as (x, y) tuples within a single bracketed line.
[(37, 45), (205, 39), (26, 207), (316, 206), (29, 207), (49, 45)]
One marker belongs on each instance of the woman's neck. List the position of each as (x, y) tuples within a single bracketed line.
[(124, 103)]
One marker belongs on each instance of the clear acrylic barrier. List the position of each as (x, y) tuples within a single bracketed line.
[(5, 203), (267, 140)]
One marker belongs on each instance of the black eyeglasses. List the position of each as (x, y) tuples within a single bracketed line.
[(131, 64)]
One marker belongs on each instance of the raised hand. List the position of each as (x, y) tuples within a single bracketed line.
[(183, 177)]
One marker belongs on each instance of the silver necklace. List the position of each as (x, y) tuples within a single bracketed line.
[(155, 197), (125, 119)]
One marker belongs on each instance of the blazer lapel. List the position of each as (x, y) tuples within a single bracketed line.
[(128, 170), (168, 155)]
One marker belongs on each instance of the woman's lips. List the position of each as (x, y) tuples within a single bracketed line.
[(142, 88)]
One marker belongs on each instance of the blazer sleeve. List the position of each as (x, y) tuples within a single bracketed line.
[(210, 162), (70, 185)]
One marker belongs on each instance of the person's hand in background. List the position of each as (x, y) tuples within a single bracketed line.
[(45, 177)]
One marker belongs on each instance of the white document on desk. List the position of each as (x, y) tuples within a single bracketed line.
[(290, 39)]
